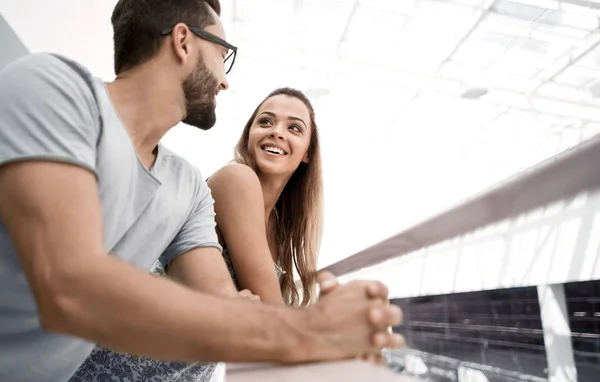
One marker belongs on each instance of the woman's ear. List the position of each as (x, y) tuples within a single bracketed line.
[(305, 159)]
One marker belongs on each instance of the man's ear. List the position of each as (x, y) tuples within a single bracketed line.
[(181, 42)]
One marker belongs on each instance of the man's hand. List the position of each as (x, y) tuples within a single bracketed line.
[(375, 290), (349, 321)]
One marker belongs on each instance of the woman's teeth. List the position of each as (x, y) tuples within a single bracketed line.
[(274, 150)]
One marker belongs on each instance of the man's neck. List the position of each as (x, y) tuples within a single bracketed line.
[(148, 104)]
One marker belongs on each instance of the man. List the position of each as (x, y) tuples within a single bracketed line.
[(89, 199)]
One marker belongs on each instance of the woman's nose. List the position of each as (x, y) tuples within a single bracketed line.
[(276, 133)]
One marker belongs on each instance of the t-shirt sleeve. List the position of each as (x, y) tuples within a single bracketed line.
[(47, 112), (198, 230)]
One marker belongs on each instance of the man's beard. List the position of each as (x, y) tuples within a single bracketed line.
[(199, 91)]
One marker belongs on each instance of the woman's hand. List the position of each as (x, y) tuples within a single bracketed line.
[(246, 294)]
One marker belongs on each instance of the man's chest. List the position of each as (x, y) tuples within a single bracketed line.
[(142, 211)]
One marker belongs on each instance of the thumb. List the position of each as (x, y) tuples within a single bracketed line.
[(327, 282)]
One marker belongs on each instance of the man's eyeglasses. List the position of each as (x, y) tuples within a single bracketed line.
[(232, 50)]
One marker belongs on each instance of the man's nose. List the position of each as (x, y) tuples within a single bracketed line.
[(224, 85)]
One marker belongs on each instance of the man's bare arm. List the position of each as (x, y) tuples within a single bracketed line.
[(53, 216)]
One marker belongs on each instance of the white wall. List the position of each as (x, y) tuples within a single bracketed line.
[(11, 46)]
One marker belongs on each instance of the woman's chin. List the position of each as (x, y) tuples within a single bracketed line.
[(272, 169)]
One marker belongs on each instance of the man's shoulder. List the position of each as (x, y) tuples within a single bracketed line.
[(48, 64), (48, 109), (50, 79)]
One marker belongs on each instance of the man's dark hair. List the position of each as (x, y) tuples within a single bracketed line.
[(137, 25)]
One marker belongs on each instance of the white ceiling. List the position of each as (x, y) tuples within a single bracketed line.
[(391, 80)]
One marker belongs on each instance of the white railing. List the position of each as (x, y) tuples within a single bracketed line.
[(539, 228)]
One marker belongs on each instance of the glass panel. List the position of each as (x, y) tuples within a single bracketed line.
[(277, 12), (371, 26), (587, 21), (521, 11), (591, 60), (497, 18), (583, 305), (565, 93), (579, 34), (578, 76), (405, 6), (549, 4), (590, 130), (497, 333)]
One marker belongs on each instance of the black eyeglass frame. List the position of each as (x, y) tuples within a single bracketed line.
[(209, 37)]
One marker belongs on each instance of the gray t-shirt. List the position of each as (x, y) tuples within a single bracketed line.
[(52, 109)]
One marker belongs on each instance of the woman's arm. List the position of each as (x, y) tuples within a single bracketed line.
[(240, 216)]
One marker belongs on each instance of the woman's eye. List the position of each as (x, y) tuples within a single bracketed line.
[(265, 121), (296, 128)]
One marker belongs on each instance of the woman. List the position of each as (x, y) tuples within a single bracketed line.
[(268, 203), (268, 212)]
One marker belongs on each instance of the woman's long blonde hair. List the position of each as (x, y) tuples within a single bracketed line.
[(299, 210)]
